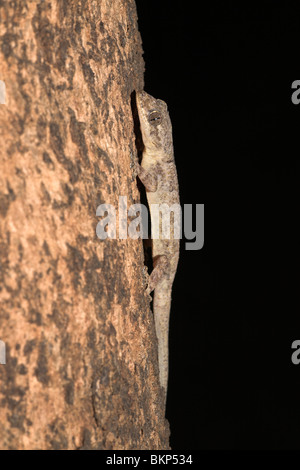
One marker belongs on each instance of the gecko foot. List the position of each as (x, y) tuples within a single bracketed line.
[(161, 265), (148, 178)]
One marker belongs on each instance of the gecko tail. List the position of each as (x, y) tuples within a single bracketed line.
[(161, 308)]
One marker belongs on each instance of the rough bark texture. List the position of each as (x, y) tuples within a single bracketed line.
[(81, 367)]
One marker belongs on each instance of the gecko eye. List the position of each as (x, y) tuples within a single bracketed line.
[(154, 116)]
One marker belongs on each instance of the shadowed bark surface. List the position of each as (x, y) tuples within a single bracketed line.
[(81, 364)]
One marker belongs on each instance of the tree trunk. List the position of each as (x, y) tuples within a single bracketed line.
[(81, 352)]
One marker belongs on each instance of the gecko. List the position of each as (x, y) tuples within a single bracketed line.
[(158, 174)]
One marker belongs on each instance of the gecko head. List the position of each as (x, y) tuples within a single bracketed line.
[(155, 123)]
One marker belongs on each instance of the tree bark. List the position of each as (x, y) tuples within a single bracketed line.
[(81, 352)]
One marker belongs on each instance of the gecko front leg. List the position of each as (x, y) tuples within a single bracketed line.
[(148, 178)]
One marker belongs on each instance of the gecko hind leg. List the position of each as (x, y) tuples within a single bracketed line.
[(161, 265)]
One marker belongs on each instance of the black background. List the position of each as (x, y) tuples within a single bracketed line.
[(226, 72)]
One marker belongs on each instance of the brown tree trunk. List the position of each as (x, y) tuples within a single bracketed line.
[(81, 353)]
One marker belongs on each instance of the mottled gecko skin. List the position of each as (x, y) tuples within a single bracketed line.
[(159, 176)]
